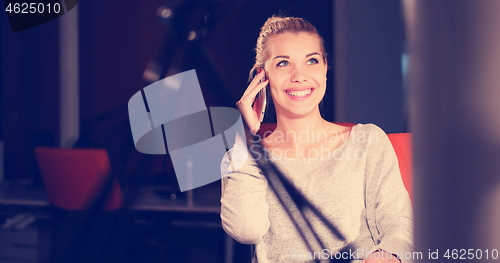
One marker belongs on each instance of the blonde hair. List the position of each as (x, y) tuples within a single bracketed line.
[(278, 25)]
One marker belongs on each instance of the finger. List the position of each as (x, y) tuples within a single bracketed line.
[(255, 81), (250, 93), (254, 94), (257, 106), (258, 76)]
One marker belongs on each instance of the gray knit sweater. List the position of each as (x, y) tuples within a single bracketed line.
[(358, 187)]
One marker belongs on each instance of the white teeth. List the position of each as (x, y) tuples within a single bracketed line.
[(301, 93)]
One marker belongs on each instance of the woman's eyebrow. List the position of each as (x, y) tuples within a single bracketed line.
[(288, 57), (314, 53), (281, 56)]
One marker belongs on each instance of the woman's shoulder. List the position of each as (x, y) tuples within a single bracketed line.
[(368, 127), (371, 135)]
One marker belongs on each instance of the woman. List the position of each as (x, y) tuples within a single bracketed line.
[(350, 174)]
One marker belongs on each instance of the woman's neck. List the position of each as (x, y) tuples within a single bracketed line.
[(303, 130)]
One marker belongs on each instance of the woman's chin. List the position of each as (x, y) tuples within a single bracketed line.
[(298, 112)]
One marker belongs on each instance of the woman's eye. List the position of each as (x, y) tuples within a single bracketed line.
[(282, 63), (312, 61)]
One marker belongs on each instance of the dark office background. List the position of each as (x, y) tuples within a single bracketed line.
[(116, 42), (454, 81), (119, 40)]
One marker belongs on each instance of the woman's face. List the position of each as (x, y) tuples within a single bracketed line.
[(296, 72)]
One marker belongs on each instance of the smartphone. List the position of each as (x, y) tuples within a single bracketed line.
[(263, 100)]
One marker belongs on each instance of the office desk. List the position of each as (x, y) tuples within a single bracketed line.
[(206, 204), (146, 200), (13, 195)]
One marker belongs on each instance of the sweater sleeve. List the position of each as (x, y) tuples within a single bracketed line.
[(389, 209), (244, 209)]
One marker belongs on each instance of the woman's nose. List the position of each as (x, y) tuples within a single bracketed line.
[(298, 75)]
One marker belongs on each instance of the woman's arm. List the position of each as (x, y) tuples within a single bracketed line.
[(244, 210), (389, 210)]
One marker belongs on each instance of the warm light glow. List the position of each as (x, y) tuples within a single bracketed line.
[(192, 35)]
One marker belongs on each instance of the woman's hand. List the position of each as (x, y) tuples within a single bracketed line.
[(251, 114), (381, 257)]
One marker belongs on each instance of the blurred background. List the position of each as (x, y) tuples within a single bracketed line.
[(117, 42), (66, 83)]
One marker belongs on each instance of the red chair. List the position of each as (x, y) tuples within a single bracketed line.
[(74, 177), (401, 142)]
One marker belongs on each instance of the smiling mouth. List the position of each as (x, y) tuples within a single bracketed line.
[(299, 93)]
